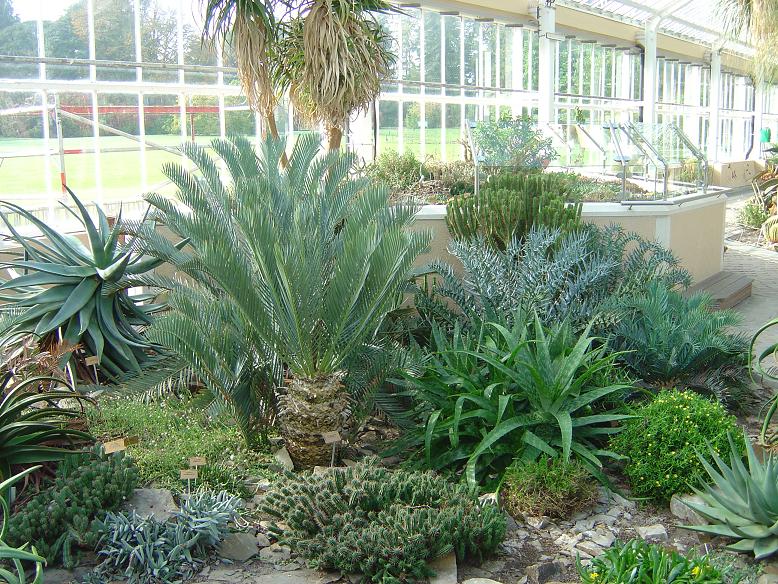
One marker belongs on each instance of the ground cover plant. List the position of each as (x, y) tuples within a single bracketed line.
[(551, 487), (669, 340), (482, 399), (310, 258), (171, 431), (740, 501), (558, 276), (61, 518), (15, 561), (383, 524), (146, 551), (638, 561), (662, 442), (76, 294)]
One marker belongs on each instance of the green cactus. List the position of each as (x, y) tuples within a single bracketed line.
[(509, 205)]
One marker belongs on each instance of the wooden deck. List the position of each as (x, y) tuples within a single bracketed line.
[(726, 288)]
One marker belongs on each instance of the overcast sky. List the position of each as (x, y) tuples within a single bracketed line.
[(53, 9)]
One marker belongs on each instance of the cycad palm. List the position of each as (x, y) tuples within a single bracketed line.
[(311, 260)]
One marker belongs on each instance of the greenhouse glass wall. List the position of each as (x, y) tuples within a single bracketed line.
[(100, 93)]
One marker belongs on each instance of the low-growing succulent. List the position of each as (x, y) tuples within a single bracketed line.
[(383, 524), (146, 551), (13, 559), (60, 519), (740, 502)]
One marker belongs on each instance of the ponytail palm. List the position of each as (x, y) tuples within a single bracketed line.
[(310, 258)]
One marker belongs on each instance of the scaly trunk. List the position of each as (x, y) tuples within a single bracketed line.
[(334, 137), (272, 128), (309, 409)]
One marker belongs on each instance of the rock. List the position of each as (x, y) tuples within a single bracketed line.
[(329, 577), (653, 533), (275, 553), (682, 511), (262, 540), (238, 547), (305, 576), (445, 569), (589, 547), (510, 524), (604, 539), (283, 458), (158, 503), (488, 498), (543, 572), (481, 581), (348, 462), (321, 470), (537, 522), (622, 502), (223, 574), (767, 579), (288, 566), (57, 576)]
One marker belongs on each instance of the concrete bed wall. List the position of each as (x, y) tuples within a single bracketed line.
[(693, 228)]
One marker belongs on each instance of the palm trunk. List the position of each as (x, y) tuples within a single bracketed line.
[(272, 128), (309, 409), (334, 137)]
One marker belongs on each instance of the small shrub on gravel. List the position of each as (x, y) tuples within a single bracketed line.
[(395, 170), (548, 486), (662, 442), (383, 524), (638, 561)]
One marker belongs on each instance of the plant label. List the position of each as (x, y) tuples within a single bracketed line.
[(189, 474), (331, 437), (92, 361), (115, 446), (196, 461)]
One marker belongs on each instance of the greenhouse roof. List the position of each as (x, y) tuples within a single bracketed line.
[(694, 20)]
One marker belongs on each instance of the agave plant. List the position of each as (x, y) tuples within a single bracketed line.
[(76, 294), (307, 260), (31, 420), (16, 556), (741, 502)]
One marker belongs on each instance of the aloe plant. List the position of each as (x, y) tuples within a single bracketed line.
[(741, 502), (16, 556), (63, 291), (31, 421)]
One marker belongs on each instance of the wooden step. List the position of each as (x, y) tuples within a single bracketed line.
[(727, 289)]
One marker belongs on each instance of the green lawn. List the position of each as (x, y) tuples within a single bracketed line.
[(26, 180)]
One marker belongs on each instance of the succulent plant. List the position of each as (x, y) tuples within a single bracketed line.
[(741, 502), (15, 556), (65, 291)]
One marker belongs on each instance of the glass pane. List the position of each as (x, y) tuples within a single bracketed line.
[(18, 38), (432, 135), (68, 37), (388, 129), (114, 38), (411, 48), (453, 25), (432, 40)]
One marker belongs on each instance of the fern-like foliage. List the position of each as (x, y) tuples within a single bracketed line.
[(559, 276), (670, 340)]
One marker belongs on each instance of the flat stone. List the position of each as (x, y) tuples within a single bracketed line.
[(275, 553), (262, 540), (481, 581), (348, 462), (543, 572), (445, 569), (589, 547), (679, 508), (57, 576), (282, 457), (158, 503), (238, 547), (537, 522), (604, 539), (653, 533), (304, 576), (767, 579), (329, 577)]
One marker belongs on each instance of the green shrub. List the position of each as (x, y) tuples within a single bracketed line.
[(169, 433), (669, 340), (512, 142), (384, 524), (663, 440), (638, 561), (752, 214), (451, 173), (547, 486), (63, 515), (483, 399), (146, 551), (397, 171)]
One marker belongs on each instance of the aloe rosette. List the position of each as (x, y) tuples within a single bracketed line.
[(62, 290)]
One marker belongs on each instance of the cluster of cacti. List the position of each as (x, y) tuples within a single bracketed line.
[(63, 516), (386, 525), (508, 206), (146, 551)]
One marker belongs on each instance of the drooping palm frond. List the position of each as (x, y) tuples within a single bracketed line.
[(757, 21)]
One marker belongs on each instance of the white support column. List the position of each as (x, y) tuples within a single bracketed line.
[(547, 64), (625, 82), (517, 69), (759, 96), (714, 106), (649, 72)]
